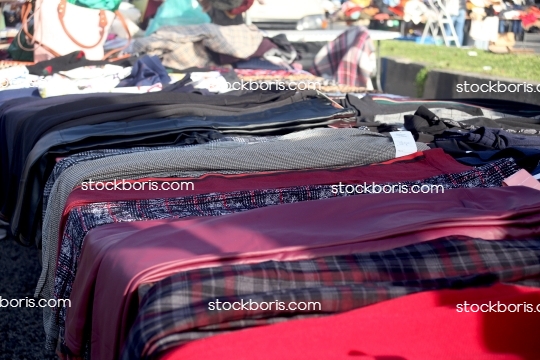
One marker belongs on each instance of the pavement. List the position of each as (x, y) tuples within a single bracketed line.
[(21, 328)]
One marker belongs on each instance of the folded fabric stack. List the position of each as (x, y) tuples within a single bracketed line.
[(357, 224)]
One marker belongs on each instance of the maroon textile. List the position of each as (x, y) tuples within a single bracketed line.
[(246, 4), (108, 276), (420, 165)]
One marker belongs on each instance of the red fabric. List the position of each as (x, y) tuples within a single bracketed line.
[(528, 19), (424, 326), (420, 165), (246, 4), (108, 274)]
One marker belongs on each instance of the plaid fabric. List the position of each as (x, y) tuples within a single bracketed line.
[(182, 47), (84, 218), (175, 310), (349, 59)]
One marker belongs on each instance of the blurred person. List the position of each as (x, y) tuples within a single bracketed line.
[(458, 12), (227, 12)]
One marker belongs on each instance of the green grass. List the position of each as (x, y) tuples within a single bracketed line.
[(516, 66)]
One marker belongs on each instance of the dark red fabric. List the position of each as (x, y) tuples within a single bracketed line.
[(420, 165), (117, 258), (246, 4), (424, 326)]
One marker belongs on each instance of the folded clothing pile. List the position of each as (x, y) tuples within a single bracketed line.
[(183, 223)]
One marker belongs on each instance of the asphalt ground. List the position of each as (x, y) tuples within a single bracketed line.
[(21, 328)]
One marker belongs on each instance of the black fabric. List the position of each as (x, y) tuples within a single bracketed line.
[(488, 139), (367, 108), (13, 114), (310, 113), (306, 52), (179, 86), (219, 17), (506, 106), (95, 110), (424, 125), (71, 61), (26, 127), (526, 158), (515, 124)]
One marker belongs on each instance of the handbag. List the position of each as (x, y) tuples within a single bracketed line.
[(61, 28)]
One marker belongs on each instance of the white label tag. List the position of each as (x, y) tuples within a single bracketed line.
[(404, 143)]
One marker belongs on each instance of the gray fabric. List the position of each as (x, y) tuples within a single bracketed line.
[(182, 47), (319, 148)]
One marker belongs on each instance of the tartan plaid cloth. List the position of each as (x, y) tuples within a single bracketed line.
[(84, 218), (349, 59), (182, 47), (175, 310)]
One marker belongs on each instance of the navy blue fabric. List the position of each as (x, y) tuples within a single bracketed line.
[(147, 71), (6, 95)]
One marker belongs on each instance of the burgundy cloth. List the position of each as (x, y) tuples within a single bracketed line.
[(117, 258), (246, 4), (420, 165), (423, 326)]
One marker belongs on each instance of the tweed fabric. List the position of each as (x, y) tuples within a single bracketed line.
[(69, 161)]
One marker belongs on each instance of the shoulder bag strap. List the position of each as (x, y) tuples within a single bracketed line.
[(102, 25)]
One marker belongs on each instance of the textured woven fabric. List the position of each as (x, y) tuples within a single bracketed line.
[(319, 148), (82, 219), (176, 309), (69, 161), (349, 59), (182, 47)]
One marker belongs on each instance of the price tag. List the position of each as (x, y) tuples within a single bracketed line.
[(404, 143)]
